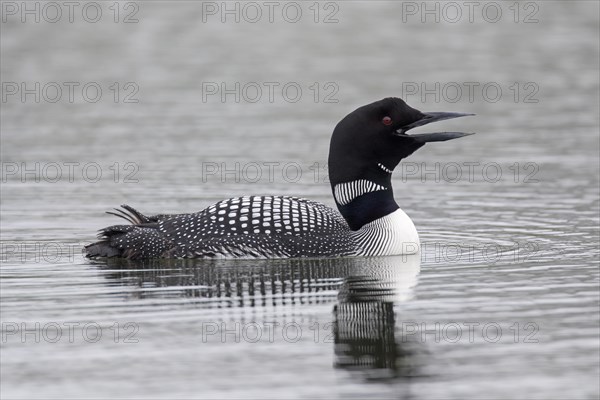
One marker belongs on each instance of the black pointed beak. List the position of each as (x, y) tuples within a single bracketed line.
[(436, 136)]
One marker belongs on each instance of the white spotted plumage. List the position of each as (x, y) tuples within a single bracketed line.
[(259, 227)]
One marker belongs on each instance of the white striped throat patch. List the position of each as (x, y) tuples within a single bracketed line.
[(344, 193)]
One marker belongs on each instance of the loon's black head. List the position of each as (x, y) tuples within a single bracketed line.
[(365, 148), (375, 135)]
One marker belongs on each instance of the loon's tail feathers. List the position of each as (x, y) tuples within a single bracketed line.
[(130, 214), (102, 248), (129, 241), (141, 239)]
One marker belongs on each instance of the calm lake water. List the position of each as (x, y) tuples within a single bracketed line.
[(171, 106)]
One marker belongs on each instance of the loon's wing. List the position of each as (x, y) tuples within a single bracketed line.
[(262, 227), (243, 227)]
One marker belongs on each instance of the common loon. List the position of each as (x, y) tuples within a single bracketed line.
[(365, 148)]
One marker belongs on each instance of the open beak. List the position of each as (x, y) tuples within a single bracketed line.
[(436, 136)]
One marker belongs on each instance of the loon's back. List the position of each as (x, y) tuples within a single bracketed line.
[(241, 227)]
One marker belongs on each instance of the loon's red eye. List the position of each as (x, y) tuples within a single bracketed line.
[(386, 121)]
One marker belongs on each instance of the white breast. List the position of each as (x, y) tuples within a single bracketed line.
[(394, 234)]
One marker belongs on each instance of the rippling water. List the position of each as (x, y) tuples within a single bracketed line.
[(503, 301)]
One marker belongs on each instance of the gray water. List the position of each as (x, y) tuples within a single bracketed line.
[(502, 302)]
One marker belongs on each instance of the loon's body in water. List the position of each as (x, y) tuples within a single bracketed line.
[(365, 148)]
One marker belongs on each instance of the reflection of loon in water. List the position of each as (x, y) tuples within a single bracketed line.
[(234, 283), (363, 291), (365, 322)]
